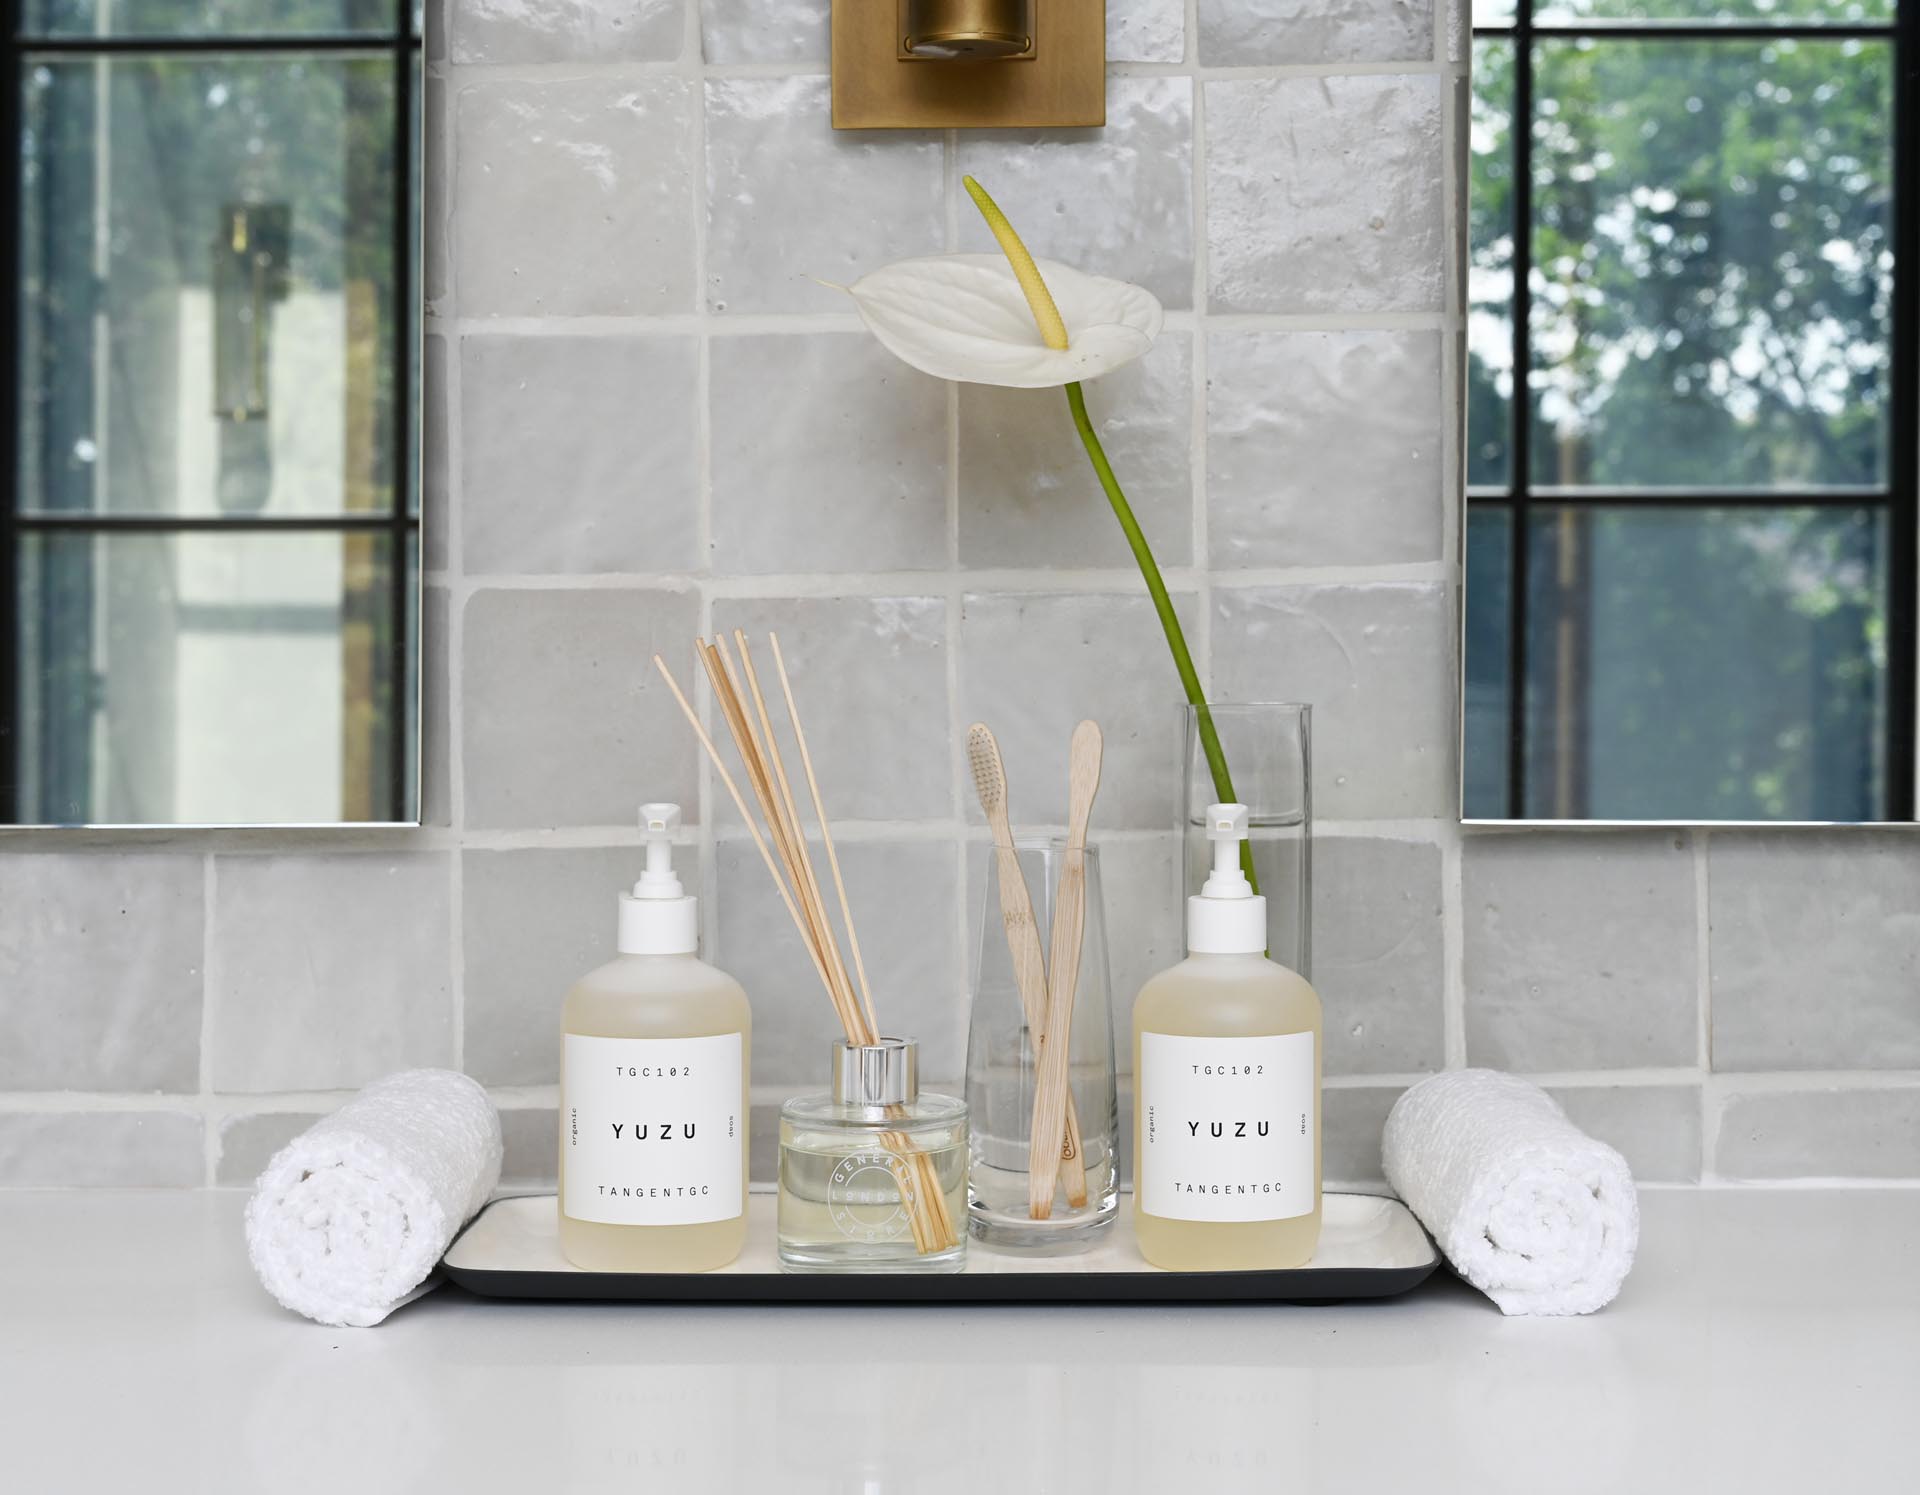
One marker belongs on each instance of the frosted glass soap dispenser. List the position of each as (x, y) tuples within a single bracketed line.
[(1226, 1064), (653, 1089)]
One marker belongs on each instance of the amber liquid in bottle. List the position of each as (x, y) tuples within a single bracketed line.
[(653, 1089), (1226, 1073), (1226, 997), (655, 997)]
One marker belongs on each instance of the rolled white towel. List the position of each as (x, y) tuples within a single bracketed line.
[(1539, 1216), (352, 1214)]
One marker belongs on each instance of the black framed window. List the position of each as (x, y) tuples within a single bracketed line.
[(1691, 423), (210, 541)]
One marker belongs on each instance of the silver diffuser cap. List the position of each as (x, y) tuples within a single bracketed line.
[(886, 1073)]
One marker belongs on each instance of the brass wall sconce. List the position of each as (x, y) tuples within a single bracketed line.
[(969, 64), (966, 30)]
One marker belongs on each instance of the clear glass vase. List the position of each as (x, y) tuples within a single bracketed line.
[(1268, 750), (1001, 1059)]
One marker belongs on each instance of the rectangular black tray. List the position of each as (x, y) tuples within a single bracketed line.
[(1369, 1248)]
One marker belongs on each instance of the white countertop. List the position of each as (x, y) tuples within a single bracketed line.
[(1767, 1341)]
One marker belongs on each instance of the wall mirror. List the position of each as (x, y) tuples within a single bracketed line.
[(211, 538), (1694, 292)]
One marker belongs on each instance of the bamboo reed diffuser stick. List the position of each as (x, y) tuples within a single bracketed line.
[(826, 833), (740, 803), (783, 848)]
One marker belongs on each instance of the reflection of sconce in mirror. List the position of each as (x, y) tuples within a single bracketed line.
[(250, 265), (969, 64)]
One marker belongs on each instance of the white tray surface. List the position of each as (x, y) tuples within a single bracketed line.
[(1357, 1231)]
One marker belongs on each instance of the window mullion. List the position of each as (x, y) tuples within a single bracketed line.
[(11, 758), (402, 582), (1520, 445), (1903, 527)]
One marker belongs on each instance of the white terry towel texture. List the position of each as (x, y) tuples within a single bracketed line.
[(352, 1214), (1539, 1216)]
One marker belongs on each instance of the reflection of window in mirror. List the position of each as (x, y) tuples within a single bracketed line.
[(1691, 545), (211, 542)]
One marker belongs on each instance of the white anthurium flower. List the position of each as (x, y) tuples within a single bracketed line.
[(966, 317), (1036, 324)]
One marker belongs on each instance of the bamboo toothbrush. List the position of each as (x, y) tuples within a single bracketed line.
[(1023, 930), (1069, 923)]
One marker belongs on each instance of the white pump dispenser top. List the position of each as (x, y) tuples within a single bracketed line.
[(658, 917), (1225, 917)]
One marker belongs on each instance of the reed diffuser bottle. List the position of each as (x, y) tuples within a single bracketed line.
[(1226, 1055), (653, 1090), (873, 1174)]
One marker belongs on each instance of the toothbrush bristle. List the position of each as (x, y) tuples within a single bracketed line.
[(985, 763)]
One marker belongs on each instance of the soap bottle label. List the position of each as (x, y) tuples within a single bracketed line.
[(651, 1129), (1227, 1131)]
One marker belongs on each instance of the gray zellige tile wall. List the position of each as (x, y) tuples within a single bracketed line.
[(647, 418)]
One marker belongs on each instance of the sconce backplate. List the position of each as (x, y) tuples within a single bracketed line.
[(1060, 84)]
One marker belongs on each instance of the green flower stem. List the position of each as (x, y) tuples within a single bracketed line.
[(1163, 605)]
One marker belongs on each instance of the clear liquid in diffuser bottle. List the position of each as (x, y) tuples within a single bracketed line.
[(1226, 1055), (873, 1174), (653, 1091)]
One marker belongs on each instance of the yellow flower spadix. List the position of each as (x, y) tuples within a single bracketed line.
[(1053, 328)]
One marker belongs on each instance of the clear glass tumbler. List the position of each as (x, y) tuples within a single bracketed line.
[(1267, 747), (1016, 934)]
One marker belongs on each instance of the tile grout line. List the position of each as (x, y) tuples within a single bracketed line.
[(959, 776), (453, 418), (1713, 1111), (1453, 973), (707, 786), (1203, 322), (961, 822), (1028, 581), (581, 71), (431, 839), (745, 324), (220, 1105), (209, 1141), (1453, 952), (1703, 1000)]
